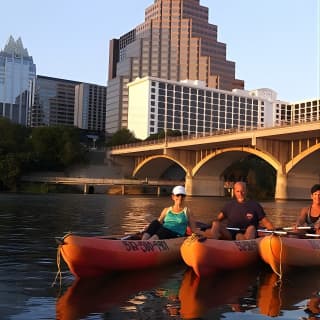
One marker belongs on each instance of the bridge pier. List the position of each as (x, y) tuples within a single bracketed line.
[(281, 192), (204, 186), (299, 185)]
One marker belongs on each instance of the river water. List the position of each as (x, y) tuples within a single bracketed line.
[(28, 266)]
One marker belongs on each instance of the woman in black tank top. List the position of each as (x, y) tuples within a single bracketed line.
[(310, 216)]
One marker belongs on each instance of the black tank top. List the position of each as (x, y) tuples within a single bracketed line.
[(311, 220)]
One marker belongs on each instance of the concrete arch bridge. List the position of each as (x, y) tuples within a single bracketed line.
[(292, 150)]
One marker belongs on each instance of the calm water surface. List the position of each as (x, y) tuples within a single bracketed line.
[(29, 224)]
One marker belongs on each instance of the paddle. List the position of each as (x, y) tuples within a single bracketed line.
[(297, 228), (302, 228), (260, 230), (280, 232)]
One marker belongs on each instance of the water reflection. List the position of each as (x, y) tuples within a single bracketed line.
[(198, 295), (177, 293), (299, 291), (129, 291), (29, 224)]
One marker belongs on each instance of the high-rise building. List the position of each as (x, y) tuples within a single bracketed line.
[(52, 102), (16, 71), (90, 107), (55, 101), (175, 42)]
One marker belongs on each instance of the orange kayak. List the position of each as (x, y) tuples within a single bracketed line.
[(207, 256), (281, 253), (96, 256)]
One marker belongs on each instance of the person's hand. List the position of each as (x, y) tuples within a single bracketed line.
[(317, 227), (295, 227)]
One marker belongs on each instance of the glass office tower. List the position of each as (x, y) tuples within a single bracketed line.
[(17, 70)]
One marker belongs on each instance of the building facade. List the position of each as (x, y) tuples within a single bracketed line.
[(17, 70), (175, 42), (192, 108), (299, 112), (52, 102), (90, 107), (55, 101)]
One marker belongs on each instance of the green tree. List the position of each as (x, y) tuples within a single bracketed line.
[(10, 169), (161, 134), (57, 147), (13, 137), (122, 136), (15, 152)]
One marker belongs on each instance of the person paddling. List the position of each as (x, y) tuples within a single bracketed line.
[(310, 216), (240, 218), (173, 221)]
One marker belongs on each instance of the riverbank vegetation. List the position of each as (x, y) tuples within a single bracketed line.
[(24, 150)]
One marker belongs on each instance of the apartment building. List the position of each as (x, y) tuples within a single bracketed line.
[(192, 108)]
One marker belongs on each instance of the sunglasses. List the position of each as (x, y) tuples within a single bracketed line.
[(180, 195)]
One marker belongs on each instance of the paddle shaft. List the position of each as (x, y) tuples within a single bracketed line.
[(259, 230), (279, 232)]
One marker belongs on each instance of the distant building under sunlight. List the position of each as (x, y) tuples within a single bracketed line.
[(192, 108)]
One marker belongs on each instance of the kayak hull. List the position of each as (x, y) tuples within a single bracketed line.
[(282, 253), (96, 256), (207, 256)]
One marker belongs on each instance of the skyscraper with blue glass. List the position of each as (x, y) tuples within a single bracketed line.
[(17, 70)]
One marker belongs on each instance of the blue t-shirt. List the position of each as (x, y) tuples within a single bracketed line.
[(242, 215)]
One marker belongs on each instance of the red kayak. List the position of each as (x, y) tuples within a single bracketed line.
[(207, 256), (96, 256)]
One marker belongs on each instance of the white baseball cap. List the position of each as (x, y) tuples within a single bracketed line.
[(179, 190)]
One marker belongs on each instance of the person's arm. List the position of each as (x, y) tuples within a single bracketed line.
[(163, 215), (192, 222), (302, 217), (267, 223), (220, 216)]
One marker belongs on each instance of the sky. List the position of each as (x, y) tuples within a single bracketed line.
[(274, 43)]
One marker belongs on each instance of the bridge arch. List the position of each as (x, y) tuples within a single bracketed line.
[(263, 155), (206, 176), (301, 156), (302, 172), (157, 162)]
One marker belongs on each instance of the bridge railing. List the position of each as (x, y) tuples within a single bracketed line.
[(182, 137), (209, 134)]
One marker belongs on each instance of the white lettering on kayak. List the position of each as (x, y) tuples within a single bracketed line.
[(146, 246), (247, 245)]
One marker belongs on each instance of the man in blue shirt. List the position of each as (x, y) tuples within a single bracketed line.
[(240, 218)]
